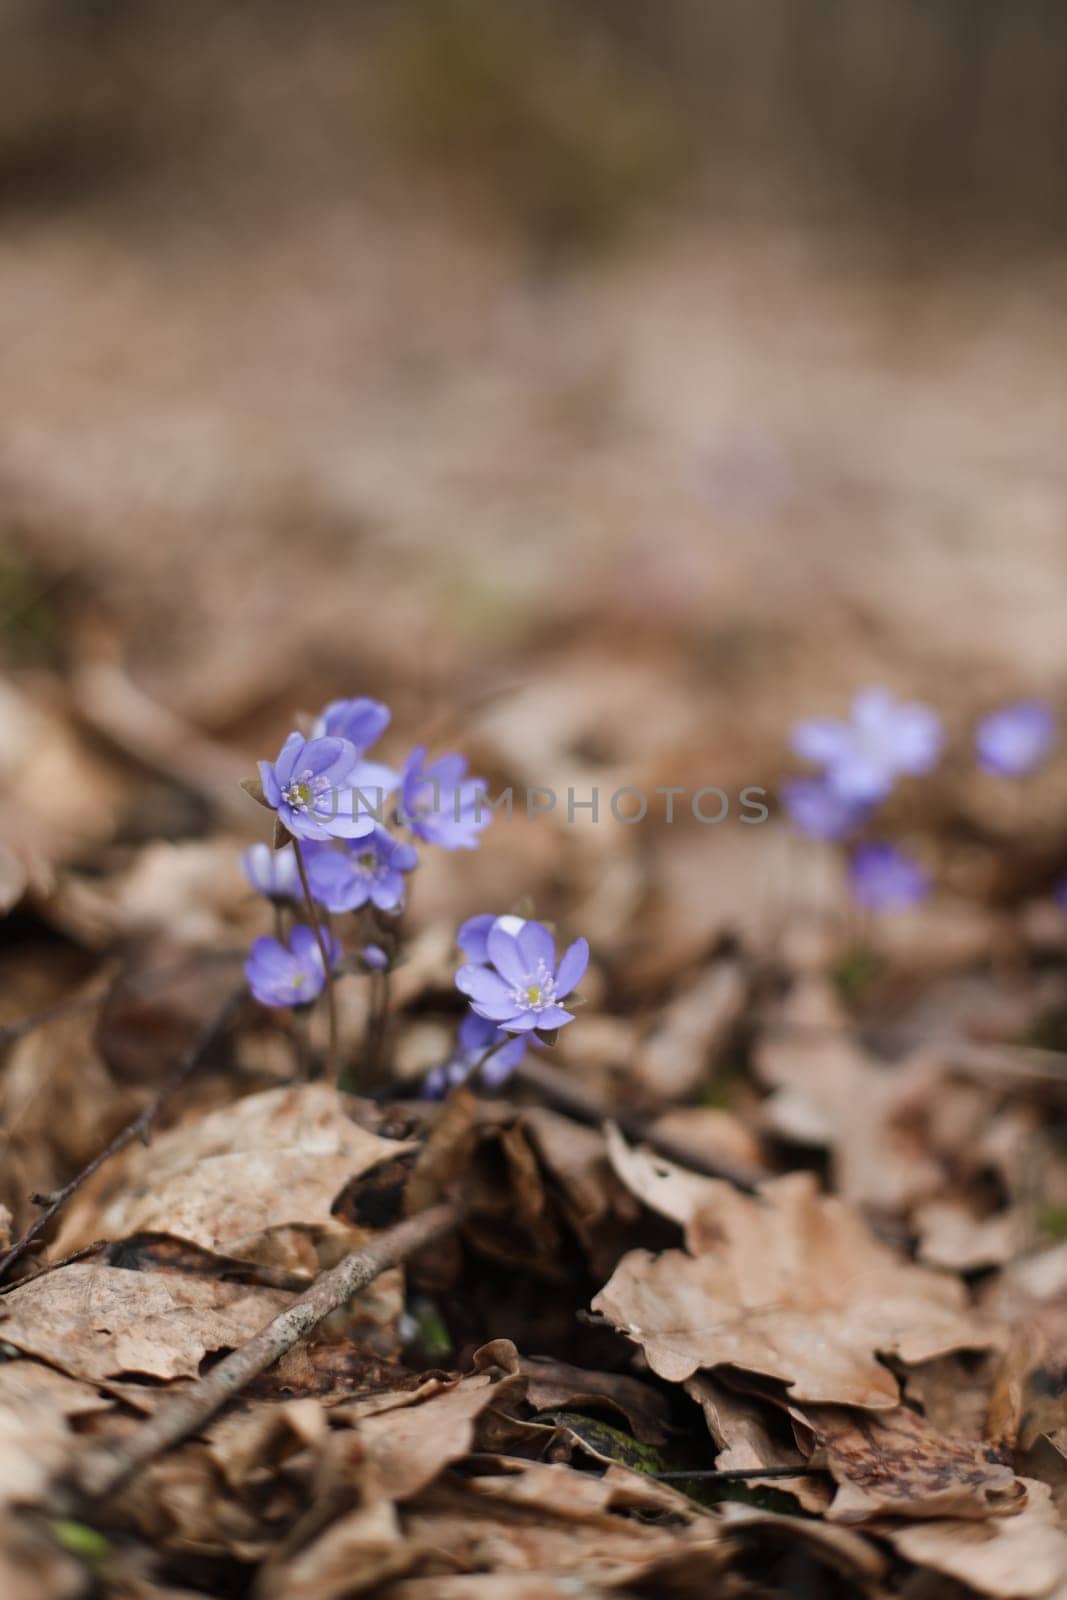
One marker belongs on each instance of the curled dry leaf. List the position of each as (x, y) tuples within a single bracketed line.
[(554, 1385), (35, 1404), (97, 1322), (552, 1520), (740, 1428), (229, 1180), (406, 1443), (787, 1284), (1010, 1558)]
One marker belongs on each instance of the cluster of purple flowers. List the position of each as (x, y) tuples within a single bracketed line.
[(333, 802), (862, 759), (517, 992)]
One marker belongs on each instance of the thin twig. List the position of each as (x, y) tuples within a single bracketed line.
[(327, 966), (137, 1129), (106, 1467), (734, 1474), (562, 1092)]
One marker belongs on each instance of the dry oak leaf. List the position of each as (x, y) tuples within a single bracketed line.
[(789, 1285), (269, 1161), (895, 1464), (96, 1322)]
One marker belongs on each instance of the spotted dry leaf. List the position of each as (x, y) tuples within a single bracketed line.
[(788, 1284), (231, 1179), (894, 1463), (97, 1322)]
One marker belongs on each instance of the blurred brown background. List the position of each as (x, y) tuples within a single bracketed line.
[(704, 354)]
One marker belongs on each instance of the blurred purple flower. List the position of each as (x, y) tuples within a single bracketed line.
[(884, 878), (293, 975), (884, 739), (309, 786), (522, 988), (473, 936), (440, 804), (371, 870), (819, 811), (476, 1036), (272, 873), (374, 957), (1015, 740), (361, 721)]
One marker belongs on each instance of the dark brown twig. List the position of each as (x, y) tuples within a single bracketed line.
[(137, 1129), (734, 1474), (106, 1467)]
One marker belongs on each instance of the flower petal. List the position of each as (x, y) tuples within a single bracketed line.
[(487, 992), (505, 953), (820, 739), (554, 1017), (536, 944), (472, 936), (572, 967)]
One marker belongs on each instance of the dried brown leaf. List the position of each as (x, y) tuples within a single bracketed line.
[(229, 1180), (790, 1285), (1011, 1558), (97, 1322)]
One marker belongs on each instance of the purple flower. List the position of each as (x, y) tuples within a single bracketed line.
[(440, 804), (473, 936), (819, 811), (374, 957), (1015, 740), (361, 721), (476, 1036), (884, 739), (309, 785), (272, 872), (883, 877), (526, 988), (371, 869), (293, 975)]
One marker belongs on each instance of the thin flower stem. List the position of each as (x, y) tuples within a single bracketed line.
[(331, 996), (377, 1022), (487, 1055)]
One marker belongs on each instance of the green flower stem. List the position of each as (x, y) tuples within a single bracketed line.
[(331, 996)]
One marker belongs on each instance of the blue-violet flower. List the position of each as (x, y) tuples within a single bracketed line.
[(309, 785), (293, 975), (884, 739), (523, 988), (1015, 740), (884, 878), (440, 804)]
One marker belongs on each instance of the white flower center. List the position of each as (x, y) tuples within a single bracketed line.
[(537, 992), (304, 792)]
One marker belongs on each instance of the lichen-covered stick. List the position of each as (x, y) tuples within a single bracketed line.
[(104, 1468)]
